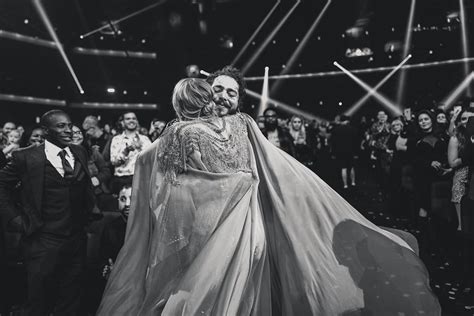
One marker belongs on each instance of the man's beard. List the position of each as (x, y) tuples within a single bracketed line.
[(224, 108), (125, 212), (271, 126)]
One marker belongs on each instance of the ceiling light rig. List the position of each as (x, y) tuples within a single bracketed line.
[(365, 70), (44, 17), (118, 21)]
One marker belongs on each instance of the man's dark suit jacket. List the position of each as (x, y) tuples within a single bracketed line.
[(286, 141), (25, 172)]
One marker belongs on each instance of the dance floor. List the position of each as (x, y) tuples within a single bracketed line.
[(443, 262)]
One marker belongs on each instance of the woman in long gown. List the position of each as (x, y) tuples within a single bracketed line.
[(224, 223)]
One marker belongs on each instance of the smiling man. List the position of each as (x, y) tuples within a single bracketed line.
[(56, 199), (124, 151), (229, 90)]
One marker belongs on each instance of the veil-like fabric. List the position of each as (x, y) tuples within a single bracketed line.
[(325, 257), (275, 241)]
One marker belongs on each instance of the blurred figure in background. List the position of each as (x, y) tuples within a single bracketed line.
[(275, 134), (113, 235), (95, 135), (304, 152), (97, 166), (13, 143), (33, 137), (7, 128), (429, 154), (156, 127), (442, 125), (456, 147), (261, 122), (344, 144)]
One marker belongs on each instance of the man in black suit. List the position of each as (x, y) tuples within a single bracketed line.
[(56, 199), (113, 235)]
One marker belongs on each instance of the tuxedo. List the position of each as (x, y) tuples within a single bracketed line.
[(51, 213)]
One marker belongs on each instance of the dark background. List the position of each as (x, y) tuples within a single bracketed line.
[(171, 30)]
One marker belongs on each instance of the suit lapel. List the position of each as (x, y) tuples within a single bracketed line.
[(82, 159), (35, 163)]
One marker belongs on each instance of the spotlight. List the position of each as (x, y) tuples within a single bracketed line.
[(406, 51), (275, 30), (192, 71), (175, 19), (254, 34), (110, 90), (145, 92), (355, 32), (26, 21), (393, 46), (453, 16), (44, 17), (382, 99), (226, 41), (359, 52), (203, 26), (125, 92)]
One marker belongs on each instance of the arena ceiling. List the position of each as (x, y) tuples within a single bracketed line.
[(211, 33)]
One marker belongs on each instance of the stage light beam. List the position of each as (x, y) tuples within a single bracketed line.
[(453, 96), (361, 102), (291, 61), (383, 100), (257, 30), (406, 51), (44, 17), (284, 107), (363, 71), (116, 22), (465, 43), (264, 99), (262, 47)]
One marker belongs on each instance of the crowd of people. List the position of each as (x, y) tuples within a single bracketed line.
[(110, 159), (421, 162), (417, 159)]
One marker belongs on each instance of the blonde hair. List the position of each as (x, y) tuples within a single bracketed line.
[(301, 133), (192, 99)]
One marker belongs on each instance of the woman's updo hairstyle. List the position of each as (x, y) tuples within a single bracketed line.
[(192, 99)]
